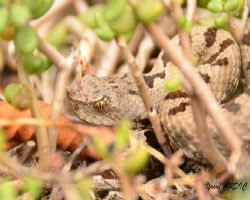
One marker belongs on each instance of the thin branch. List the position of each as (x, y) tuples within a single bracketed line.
[(209, 148), (41, 133), (236, 32), (211, 105), (191, 8), (25, 121), (80, 6), (8, 57), (109, 60), (145, 49), (146, 98), (70, 191), (52, 54), (245, 15), (136, 39), (56, 10), (65, 67)]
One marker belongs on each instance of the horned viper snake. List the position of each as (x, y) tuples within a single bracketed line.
[(106, 100)]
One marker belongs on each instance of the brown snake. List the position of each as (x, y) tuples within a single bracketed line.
[(107, 100)]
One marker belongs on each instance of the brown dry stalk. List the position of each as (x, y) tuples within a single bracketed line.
[(236, 32), (60, 86), (244, 15), (108, 61), (191, 8), (146, 98), (41, 133), (209, 148), (58, 103), (10, 62), (52, 54), (201, 89), (55, 11)]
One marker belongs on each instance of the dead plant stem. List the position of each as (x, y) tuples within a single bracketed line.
[(146, 98), (201, 89), (209, 148), (60, 86), (41, 131)]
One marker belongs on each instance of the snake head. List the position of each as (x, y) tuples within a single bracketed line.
[(105, 100)]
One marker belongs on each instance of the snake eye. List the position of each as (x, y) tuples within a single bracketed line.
[(101, 104)]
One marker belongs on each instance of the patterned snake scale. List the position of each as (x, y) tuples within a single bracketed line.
[(106, 100)]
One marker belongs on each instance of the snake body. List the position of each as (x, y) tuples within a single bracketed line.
[(221, 62)]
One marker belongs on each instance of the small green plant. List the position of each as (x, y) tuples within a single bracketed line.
[(17, 95), (149, 10), (117, 18), (38, 8), (19, 14), (134, 161), (185, 24), (33, 186), (58, 34), (35, 63), (15, 16), (26, 40), (7, 191), (84, 188), (2, 141), (173, 83), (222, 10)]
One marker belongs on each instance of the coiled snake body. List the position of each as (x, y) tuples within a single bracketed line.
[(106, 100)]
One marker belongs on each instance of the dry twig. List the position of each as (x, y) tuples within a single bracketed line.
[(41, 133), (211, 105), (109, 60), (209, 148), (146, 98), (65, 67)]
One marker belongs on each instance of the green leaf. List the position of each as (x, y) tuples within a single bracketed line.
[(8, 33), (105, 34), (207, 22), (215, 6), (237, 12), (4, 19), (84, 188), (100, 147), (114, 9), (174, 83), (19, 14), (4, 2), (11, 91), (38, 7), (221, 20), (149, 10), (231, 5), (103, 31), (34, 6), (125, 23), (126, 37), (33, 186), (3, 141), (26, 40), (35, 64), (185, 24), (237, 190), (122, 135), (203, 3), (136, 160), (18, 96), (88, 17), (58, 34), (8, 191)]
